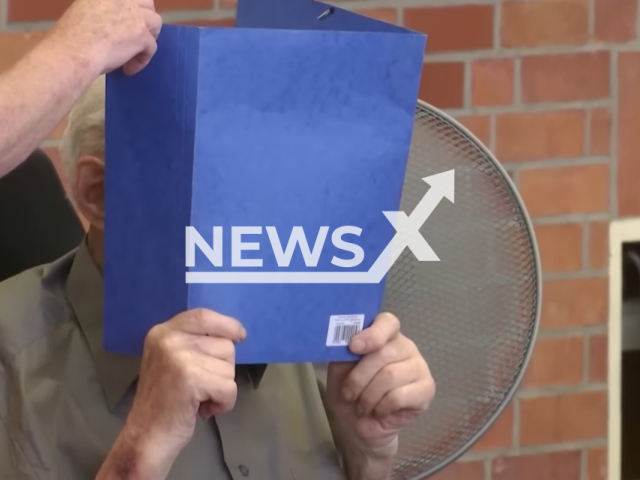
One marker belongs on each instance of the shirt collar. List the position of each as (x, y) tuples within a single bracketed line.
[(116, 372)]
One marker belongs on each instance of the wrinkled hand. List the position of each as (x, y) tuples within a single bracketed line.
[(188, 368), (372, 400), (112, 33)]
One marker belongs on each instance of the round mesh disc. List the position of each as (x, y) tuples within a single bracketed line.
[(474, 314)]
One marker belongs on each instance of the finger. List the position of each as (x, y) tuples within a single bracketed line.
[(369, 366), (384, 328), (206, 322), (211, 365), (414, 397), (153, 22), (389, 378), (220, 391), (219, 405), (214, 347), (140, 61)]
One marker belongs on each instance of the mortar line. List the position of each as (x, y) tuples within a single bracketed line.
[(203, 14), (533, 107), (637, 42), (569, 218), (538, 449), (592, 20), (563, 332), (466, 92), (497, 25), (585, 243), (587, 131), (23, 27), (586, 357), (561, 390), (556, 162), (356, 4), (613, 149), (525, 51), (493, 134), (515, 439), (517, 81), (487, 469), (400, 15), (4, 13), (583, 464), (586, 273)]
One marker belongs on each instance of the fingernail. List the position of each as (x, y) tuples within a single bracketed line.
[(357, 345), (243, 334)]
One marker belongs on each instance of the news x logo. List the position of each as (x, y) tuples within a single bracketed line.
[(407, 235)]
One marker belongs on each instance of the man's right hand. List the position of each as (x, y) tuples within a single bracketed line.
[(188, 368), (111, 33)]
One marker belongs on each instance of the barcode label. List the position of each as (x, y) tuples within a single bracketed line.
[(342, 328)]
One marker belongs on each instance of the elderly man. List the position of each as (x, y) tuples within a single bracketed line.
[(184, 411)]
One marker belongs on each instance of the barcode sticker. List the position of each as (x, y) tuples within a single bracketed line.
[(342, 328)]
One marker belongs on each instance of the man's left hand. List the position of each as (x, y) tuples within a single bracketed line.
[(373, 399)]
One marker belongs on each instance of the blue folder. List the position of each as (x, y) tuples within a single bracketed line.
[(250, 136)]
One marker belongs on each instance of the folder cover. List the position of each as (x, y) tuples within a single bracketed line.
[(247, 171)]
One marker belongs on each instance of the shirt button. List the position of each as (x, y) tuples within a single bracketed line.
[(244, 471)]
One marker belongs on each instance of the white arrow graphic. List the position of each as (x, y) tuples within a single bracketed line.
[(407, 235)]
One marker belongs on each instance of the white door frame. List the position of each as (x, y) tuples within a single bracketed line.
[(620, 232)]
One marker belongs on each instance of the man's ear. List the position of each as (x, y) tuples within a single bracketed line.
[(88, 190)]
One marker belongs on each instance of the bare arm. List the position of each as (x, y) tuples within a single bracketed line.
[(36, 94), (92, 37)]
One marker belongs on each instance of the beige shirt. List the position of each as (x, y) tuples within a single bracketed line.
[(63, 399)]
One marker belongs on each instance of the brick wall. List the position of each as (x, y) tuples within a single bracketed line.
[(553, 88)]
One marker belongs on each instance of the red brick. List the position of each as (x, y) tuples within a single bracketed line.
[(600, 140), (560, 247), (546, 466), (555, 362), (598, 358), (492, 82), (162, 5), (453, 28), (576, 302), (628, 137), (565, 78), (544, 22), (217, 22), (15, 45), (540, 135), (616, 20), (388, 15), (563, 418), (40, 10), (565, 190), (499, 435), (228, 4), (461, 471), (479, 125), (599, 244), (442, 84), (597, 464)]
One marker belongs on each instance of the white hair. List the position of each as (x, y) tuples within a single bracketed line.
[(84, 134)]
